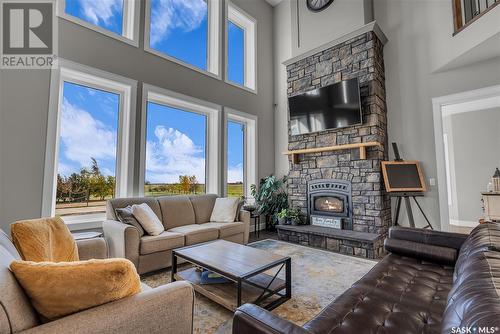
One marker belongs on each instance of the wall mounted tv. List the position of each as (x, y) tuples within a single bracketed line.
[(330, 107)]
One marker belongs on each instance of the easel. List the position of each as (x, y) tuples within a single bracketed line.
[(407, 196)]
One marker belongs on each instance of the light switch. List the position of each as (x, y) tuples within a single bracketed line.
[(432, 181)]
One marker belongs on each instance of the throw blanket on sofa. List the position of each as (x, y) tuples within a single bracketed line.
[(45, 239)]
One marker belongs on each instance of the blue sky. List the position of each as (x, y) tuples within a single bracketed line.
[(175, 139)]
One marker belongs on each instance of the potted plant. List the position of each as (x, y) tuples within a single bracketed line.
[(282, 216), (270, 197), (293, 216)]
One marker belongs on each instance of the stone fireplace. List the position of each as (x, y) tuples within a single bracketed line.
[(356, 209), (329, 203)]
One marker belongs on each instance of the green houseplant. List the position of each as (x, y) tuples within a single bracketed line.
[(282, 216), (270, 196), (293, 216)]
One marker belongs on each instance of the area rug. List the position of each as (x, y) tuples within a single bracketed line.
[(318, 277)]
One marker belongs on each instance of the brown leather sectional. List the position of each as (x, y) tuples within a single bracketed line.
[(431, 282)]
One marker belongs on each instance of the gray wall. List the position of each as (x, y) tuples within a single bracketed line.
[(476, 142), (415, 30), (25, 97)]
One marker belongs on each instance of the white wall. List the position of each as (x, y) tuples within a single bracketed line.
[(25, 96), (312, 29), (414, 30), (282, 51)]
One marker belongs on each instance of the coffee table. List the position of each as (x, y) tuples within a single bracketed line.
[(245, 267)]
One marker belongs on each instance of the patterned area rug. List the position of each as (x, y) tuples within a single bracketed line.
[(318, 277)]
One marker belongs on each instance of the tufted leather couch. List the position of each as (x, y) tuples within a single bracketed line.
[(431, 282)]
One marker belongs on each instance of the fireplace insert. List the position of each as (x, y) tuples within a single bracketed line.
[(329, 203)]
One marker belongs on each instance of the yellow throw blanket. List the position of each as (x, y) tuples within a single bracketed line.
[(44, 239)]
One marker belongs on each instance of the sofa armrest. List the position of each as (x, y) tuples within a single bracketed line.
[(428, 237), (252, 319), (244, 217), (123, 240), (166, 309), (95, 248)]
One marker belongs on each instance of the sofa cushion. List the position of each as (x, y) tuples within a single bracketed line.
[(148, 219), (196, 233), (483, 237), (16, 312), (225, 210), (203, 206), (227, 229), (401, 294), (113, 204), (474, 300), (176, 211), (164, 241), (126, 216)]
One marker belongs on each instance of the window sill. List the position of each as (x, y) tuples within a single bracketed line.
[(84, 222)]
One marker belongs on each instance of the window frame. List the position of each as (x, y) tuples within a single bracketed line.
[(250, 156), (130, 22), (249, 25), (126, 88), (186, 103), (213, 42)]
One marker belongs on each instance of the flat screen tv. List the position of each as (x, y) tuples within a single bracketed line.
[(330, 107)]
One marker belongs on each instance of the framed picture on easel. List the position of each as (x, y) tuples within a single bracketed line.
[(403, 176)]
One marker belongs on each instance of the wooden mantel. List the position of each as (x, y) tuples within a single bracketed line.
[(361, 146)]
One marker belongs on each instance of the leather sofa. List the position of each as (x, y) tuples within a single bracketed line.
[(165, 309), (431, 282), (186, 220)]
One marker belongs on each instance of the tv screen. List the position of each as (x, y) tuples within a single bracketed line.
[(331, 107)]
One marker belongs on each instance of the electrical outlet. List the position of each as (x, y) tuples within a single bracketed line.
[(432, 181)]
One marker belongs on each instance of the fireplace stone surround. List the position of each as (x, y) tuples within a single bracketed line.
[(358, 56)]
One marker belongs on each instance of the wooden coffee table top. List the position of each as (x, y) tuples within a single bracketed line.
[(229, 258)]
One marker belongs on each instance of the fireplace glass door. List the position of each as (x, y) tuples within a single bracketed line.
[(329, 204)]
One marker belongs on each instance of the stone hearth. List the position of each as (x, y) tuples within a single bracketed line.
[(362, 57)]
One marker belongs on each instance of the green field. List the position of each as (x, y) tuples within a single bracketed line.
[(233, 189)]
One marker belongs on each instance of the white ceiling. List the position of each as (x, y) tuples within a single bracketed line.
[(274, 2)]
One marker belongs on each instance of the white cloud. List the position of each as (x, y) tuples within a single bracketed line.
[(100, 10), (173, 153), (235, 173), (84, 137), (170, 14)]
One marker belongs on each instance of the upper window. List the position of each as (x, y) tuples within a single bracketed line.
[(116, 18), (235, 158), (175, 151), (235, 54), (88, 143), (241, 36), (184, 31)]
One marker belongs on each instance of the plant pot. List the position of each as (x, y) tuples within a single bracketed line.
[(295, 222), (281, 221)]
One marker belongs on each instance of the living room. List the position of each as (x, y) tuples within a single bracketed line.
[(250, 166)]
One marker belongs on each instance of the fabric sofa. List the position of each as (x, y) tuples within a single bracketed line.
[(166, 309), (186, 220), (431, 282)]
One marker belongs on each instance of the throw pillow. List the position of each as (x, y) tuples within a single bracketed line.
[(126, 216), (225, 210), (148, 219), (51, 286), (44, 239)]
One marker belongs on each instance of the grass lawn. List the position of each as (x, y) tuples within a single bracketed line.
[(233, 190)]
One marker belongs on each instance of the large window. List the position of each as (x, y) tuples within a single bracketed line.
[(235, 159), (115, 18), (185, 32), (175, 151), (241, 48), (88, 142), (180, 148), (241, 153)]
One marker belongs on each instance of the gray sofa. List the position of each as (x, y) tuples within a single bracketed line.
[(186, 220), (166, 309)]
